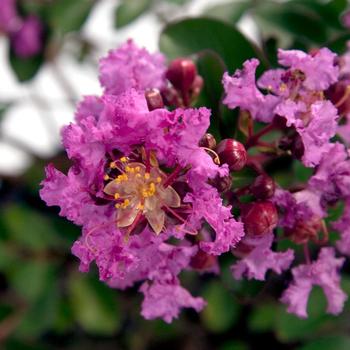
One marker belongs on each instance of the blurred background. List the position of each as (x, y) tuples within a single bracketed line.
[(45, 303)]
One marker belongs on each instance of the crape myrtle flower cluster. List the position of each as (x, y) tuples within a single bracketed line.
[(153, 191), (307, 100), (25, 34)]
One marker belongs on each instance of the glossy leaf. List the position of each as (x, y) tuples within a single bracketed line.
[(231, 12), (25, 68), (69, 16), (94, 305), (129, 10), (191, 36), (275, 18), (222, 310)]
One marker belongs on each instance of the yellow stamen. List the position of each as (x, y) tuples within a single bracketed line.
[(159, 179), (112, 165), (106, 177), (123, 159), (116, 195), (117, 205), (140, 206), (125, 204), (137, 169), (138, 175), (147, 176)]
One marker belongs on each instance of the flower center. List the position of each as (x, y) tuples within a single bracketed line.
[(141, 193)]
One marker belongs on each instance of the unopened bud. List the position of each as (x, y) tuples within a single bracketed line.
[(339, 94), (259, 218), (232, 153), (197, 87), (202, 260), (154, 99), (242, 249), (208, 141), (171, 97), (263, 187), (181, 73), (222, 184)]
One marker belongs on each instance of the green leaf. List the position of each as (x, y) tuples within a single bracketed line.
[(329, 11), (30, 278), (290, 18), (25, 68), (262, 318), (234, 345), (231, 12), (14, 344), (222, 311), (301, 173), (41, 314), (94, 305), (191, 36), (28, 228), (335, 342), (290, 328), (211, 68), (129, 10), (69, 16)]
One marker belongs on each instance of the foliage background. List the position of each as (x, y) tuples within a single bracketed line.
[(45, 303)]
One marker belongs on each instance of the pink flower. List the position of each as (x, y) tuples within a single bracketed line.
[(9, 19), (322, 272), (241, 91), (261, 259), (165, 299), (27, 41), (343, 227), (319, 69), (139, 189), (131, 67)]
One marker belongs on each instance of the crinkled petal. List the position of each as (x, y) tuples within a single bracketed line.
[(320, 69), (165, 300), (131, 67), (261, 259), (323, 272)]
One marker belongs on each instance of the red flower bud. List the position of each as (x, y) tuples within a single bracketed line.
[(202, 260), (154, 99), (232, 153), (242, 249), (222, 184), (263, 187), (197, 87), (259, 218), (208, 141), (171, 97), (181, 73), (339, 94)]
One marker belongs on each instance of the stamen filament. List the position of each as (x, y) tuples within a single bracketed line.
[(216, 159)]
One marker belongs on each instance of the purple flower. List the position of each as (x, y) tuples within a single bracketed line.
[(131, 67), (343, 227), (27, 41), (332, 178), (165, 299), (322, 272), (261, 259), (319, 69), (345, 19), (139, 178), (9, 19), (292, 210), (315, 127), (241, 91)]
